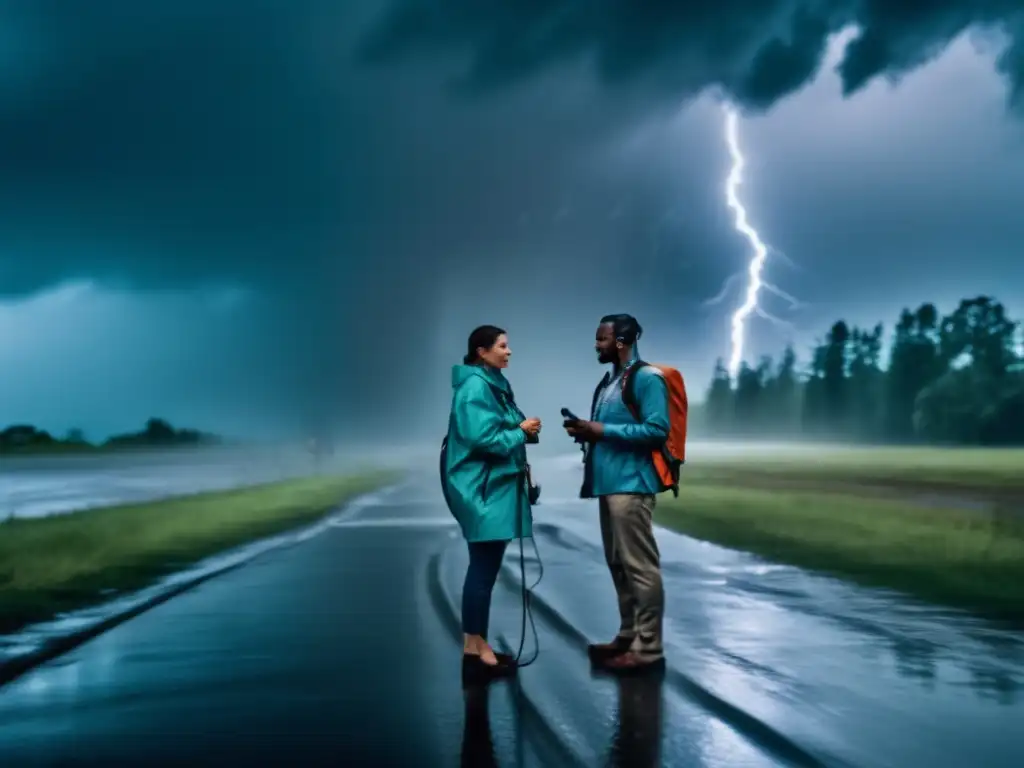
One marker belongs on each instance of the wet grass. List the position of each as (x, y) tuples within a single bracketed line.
[(963, 470), (55, 564), (823, 512)]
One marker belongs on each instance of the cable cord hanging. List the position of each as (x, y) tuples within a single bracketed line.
[(527, 591)]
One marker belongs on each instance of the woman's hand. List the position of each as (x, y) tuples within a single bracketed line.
[(531, 427)]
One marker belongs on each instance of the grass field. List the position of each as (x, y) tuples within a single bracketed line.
[(55, 564), (981, 471), (943, 525)]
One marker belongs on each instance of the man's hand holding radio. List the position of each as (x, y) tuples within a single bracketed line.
[(584, 431)]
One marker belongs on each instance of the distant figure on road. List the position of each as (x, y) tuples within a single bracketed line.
[(320, 446), (619, 471), (484, 479)]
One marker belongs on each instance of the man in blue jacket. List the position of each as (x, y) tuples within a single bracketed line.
[(620, 473)]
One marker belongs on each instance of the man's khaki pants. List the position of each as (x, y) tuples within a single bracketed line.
[(627, 531)]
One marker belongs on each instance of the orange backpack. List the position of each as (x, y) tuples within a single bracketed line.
[(671, 455)]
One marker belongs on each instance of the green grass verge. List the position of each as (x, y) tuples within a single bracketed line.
[(55, 564), (982, 471), (971, 560)]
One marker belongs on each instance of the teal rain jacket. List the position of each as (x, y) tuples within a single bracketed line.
[(485, 463)]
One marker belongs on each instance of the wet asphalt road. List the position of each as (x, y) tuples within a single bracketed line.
[(36, 486), (341, 651), (327, 653)]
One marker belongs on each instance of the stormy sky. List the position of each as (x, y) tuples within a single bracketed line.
[(243, 216)]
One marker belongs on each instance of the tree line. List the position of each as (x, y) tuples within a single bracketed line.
[(954, 379), (157, 433)]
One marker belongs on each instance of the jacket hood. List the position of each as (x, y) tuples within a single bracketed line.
[(494, 377)]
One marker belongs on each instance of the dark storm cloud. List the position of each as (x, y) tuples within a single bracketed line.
[(178, 143), (757, 51), (144, 138), (168, 145), (207, 140), (173, 143)]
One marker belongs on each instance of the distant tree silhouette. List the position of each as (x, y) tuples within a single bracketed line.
[(954, 379), (865, 383), (719, 404), (24, 436), (914, 363), (158, 433), (784, 394)]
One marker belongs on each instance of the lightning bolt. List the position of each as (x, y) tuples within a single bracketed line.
[(755, 283)]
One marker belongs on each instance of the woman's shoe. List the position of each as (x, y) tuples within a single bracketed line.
[(475, 669)]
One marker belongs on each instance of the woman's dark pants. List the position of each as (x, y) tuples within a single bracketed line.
[(484, 563)]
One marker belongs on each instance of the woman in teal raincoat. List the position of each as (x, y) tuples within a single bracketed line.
[(485, 482)]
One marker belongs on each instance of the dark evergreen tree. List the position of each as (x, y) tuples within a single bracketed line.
[(958, 379)]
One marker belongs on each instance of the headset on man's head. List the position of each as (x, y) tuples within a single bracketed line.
[(625, 327)]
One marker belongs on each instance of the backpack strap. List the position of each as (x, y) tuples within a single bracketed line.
[(629, 389)]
